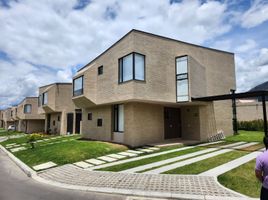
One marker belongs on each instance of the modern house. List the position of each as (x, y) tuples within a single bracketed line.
[(7, 119), (140, 91), (61, 115), (27, 118), (14, 116)]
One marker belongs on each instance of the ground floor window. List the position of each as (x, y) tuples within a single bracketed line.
[(119, 118)]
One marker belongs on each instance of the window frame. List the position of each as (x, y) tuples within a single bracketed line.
[(120, 69), (180, 79), (116, 116), (100, 70), (24, 108), (99, 122), (43, 94), (40, 100), (82, 90), (89, 116)]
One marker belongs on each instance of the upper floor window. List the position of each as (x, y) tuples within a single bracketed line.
[(44, 98), (39, 100), (182, 79), (100, 70), (27, 108), (78, 86), (132, 67)]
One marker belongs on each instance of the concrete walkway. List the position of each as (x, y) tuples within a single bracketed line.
[(175, 186), (230, 165)]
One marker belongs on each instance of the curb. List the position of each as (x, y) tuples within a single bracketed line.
[(34, 175)]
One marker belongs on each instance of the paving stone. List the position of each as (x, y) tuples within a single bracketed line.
[(209, 143), (106, 158), (245, 145), (127, 154), (95, 161), (11, 144), (154, 148), (135, 151), (44, 166), (17, 149), (232, 145), (146, 150), (83, 164), (117, 156)]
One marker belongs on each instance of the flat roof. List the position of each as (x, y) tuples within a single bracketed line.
[(57, 83), (154, 35)]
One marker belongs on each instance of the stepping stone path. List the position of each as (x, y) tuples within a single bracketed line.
[(146, 150), (106, 158), (116, 156), (209, 143), (44, 166), (128, 154), (135, 152), (83, 164), (17, 149), (95, 161)]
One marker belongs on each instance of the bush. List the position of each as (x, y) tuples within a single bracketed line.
[(255, 125), (32, 138)]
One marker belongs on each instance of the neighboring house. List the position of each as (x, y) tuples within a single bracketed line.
[(249, 110), (14, 116), (55, 103), (139, 91), (1, 119), (27, 118), (7, 118)]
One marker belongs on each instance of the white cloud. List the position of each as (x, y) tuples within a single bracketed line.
[(256, 14), (248, 45)]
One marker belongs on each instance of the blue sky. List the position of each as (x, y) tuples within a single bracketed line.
[(46, 41)]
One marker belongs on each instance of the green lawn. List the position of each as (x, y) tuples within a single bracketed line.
[(6, 133), (67, 152), (247, 136), (145, 161), (242, 179), (204, 165)]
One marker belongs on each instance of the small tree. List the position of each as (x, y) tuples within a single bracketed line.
[(32, 138)]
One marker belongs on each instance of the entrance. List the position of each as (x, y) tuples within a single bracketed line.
[(172, 120), (70, 119), (48, 123), (78, 118)]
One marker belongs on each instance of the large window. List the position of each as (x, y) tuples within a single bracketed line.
[(27, 108), (132, 67), (78, 86), (182, 79), (44, 98), (119, 118)]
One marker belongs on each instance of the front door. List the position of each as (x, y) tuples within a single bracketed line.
[(48, 123), (78, 118), (172, 117), (70, 119)]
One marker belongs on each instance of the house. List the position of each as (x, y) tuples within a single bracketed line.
[(14, 116), (27, 118), (61, 115), (139, 91), (249, 110), (7, 119), (1, 119)]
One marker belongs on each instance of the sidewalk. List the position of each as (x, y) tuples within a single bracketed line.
[(160, 185)]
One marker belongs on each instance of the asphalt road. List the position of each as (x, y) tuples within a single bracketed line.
[(15, 185)]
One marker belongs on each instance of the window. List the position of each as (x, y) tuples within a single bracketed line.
[(100, 70), (54, 123), (27, 108), (78, 86), (99, 122), (119, 118), (39, 100), (132, 67), (58, 118), (89, 116), (44, 98), (182, 79)]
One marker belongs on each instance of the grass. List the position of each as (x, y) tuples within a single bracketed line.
[(242, 179), (246, 136), (145, 161), (67, 152), (9, 133), (204, 165)]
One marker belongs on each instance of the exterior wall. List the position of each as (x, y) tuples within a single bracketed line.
[(59, 104), (250, 111), (31, 126), (7, 118)]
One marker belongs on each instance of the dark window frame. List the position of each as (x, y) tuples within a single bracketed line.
[(116, 118), (120, 68), (43, 94), (89, 116), (100, 70), (99, 122), (58, 118), (24, 108), (177, 78), (81, 91)]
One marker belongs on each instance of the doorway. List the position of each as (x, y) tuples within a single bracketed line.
[(78, 118), (70, 119), (172, 121), (48, 123)]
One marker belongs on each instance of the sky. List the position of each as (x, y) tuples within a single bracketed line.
[(47, 41)]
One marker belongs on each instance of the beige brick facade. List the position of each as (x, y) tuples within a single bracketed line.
[(250, 111), (211, 72)]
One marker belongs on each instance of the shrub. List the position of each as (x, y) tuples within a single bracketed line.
[(32, 138), (255, 125)]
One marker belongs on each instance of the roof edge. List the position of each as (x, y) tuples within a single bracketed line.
[(56, 83)]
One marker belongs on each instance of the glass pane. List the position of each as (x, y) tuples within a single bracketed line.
[(127, 68), (182, 98), (182, 87), (121, 118), (78, 83), (45, 98), (139, 67), (181, 64)]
